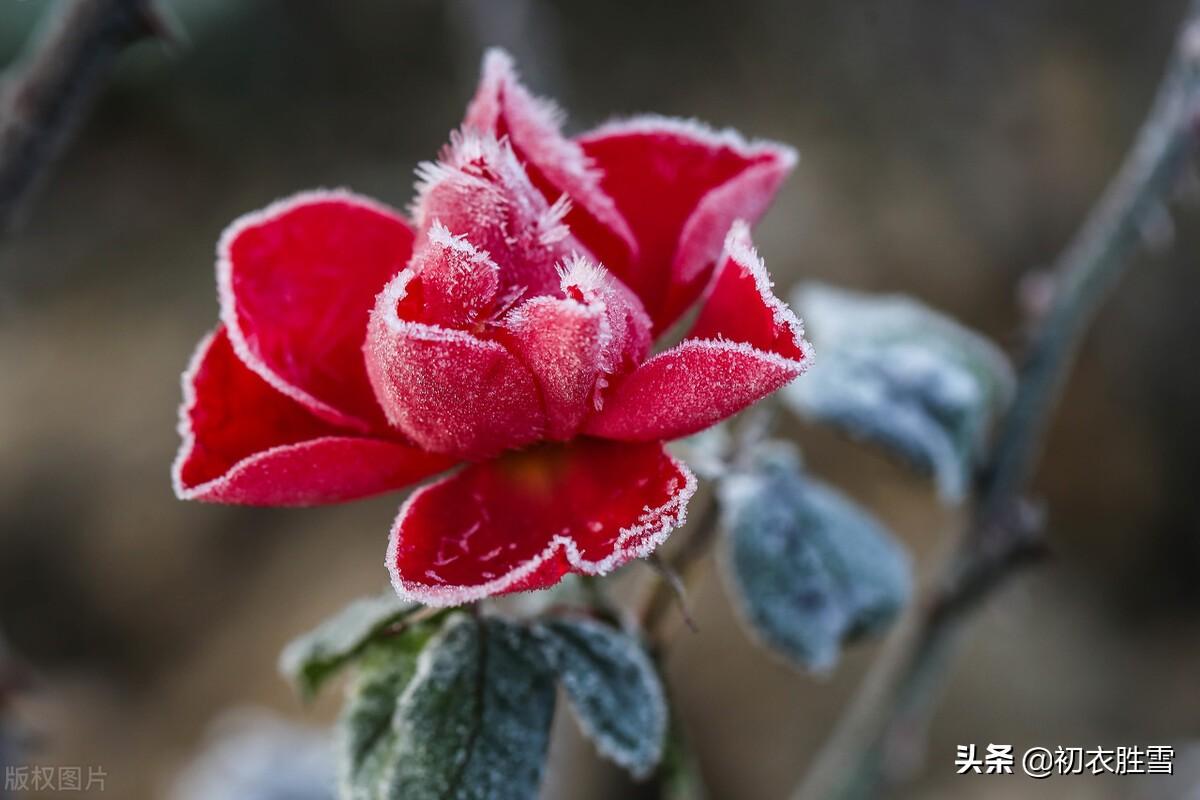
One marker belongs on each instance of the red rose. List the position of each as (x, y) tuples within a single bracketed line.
[(508, 325)]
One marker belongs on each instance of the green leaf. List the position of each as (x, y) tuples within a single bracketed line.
[(899, 375), (811, 569), (474, 722), (613, 688), (313, 658), (365, 739)]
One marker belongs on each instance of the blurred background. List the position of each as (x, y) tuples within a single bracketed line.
[(948, 147)]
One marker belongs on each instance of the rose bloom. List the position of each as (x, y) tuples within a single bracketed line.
[(507, 327)]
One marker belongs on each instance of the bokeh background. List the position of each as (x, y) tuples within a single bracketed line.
[(948, 147)]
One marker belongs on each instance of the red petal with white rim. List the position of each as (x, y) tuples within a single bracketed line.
[(297, 281), (244, 442), (480, 190), (458, 282), (556, 165), (449, 391), (561, 341), (745, 344), (571, 344), (524, 520), (680, 185)]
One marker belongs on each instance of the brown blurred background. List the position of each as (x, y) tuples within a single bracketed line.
[(947, 148)]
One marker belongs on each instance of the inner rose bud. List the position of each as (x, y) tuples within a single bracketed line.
[(542, 360)]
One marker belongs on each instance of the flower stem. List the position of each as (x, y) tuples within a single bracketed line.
[(881, 735)]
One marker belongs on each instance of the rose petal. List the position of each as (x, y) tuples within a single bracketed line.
[(680, 184), (480, 190), (297, 281), (561, 342), (524, 520), (741, 306), (556, 165), (745, 344), (458, 282), (628, 337), (571, 343), (448, 390), (244, 442)]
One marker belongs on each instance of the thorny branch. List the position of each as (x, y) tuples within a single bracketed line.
[(881, 735), (47, 93)]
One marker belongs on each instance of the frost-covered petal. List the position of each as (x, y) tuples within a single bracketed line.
[(572, 343), (745, 344), (561, 342), (449, 391), (458, 282), (297, 281), (629, 326), (680, 185), (522, 521), (556, 165), (245, 442), (479, 189)]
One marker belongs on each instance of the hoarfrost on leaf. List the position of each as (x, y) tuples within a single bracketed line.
[(313, 658), (811, 569), (613, 688), (474, 722), (365, 739), (904, 377)]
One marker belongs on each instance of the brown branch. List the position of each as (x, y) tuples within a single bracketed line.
[(882, 733), (49, 91)]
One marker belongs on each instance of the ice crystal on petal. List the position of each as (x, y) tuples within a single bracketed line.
[(450, 391), (459, 283), (479, 189)]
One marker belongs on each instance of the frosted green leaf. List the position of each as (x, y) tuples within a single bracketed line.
[(474, 722), (811, 570), (365, 740), (612, 687), (902, 376), (313, 658)]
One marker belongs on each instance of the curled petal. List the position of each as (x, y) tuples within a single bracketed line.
[(740, 304), (680, 185), (522, 521), (480, 190), (561, 341), (447, 390), (629, 326), (572, 343), (556, 165), (297, 281), (458, 282), (745, 344), (244, 442)]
